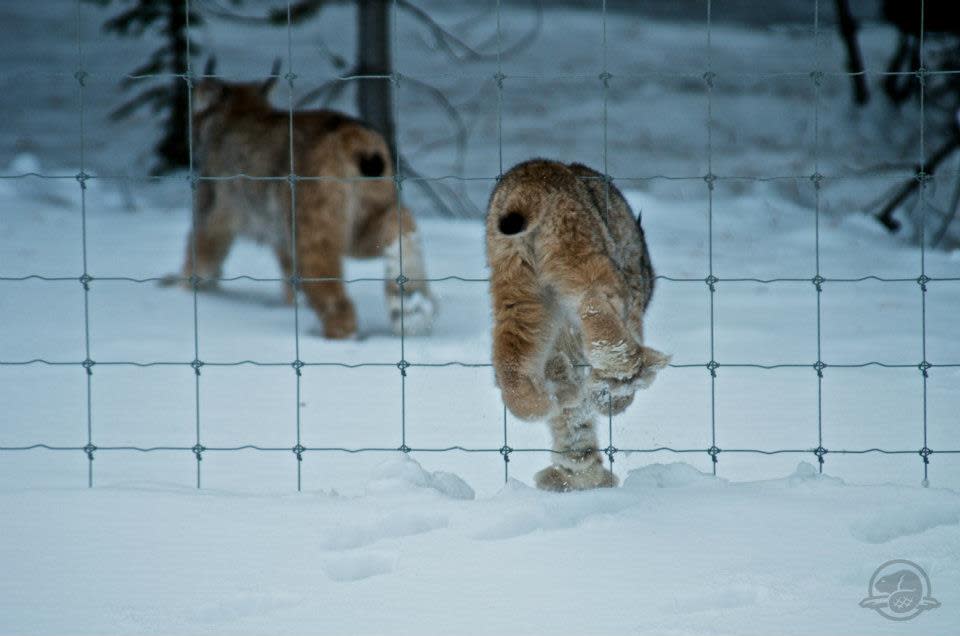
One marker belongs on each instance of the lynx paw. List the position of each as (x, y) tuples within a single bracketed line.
[(184, 281), (619, 360), (560, 479), (414, 316)]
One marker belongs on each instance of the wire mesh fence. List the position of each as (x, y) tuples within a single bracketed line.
[(819, 280)]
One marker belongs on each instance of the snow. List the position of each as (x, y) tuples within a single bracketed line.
[(437, 541)]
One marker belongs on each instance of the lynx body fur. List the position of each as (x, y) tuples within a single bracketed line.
[(238, 132), (570, 279)]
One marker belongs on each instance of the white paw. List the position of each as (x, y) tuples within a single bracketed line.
[(414, 316)]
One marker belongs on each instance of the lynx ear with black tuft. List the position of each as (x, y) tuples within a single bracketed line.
[(512, 223)]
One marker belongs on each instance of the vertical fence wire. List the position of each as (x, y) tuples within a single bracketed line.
[(498, 82), (294, 285), (85, 278), (815, 178), (711, 280), (922, 280), (198, 447)]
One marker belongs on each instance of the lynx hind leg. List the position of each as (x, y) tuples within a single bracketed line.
[(208, 243), (286, 268), (411, 306), (207, 249), (577, 462), (320, 252)]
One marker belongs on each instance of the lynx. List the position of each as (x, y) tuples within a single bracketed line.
[(570, 280), (350, 210)]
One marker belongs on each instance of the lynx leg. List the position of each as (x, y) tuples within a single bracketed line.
[(575, 263), (328, 297), (286, 269), (392, 233), (523, 337), (207, 248), (577, 462), (321, 246)]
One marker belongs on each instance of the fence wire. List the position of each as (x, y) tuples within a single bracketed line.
[(711, 282)]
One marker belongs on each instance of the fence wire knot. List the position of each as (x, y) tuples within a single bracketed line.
[(711, 282), (88, 365), (820, 451), (712, 367), (924, 368), (88, 449), (817, 77), (709, 78), (290, 76), (402, 280), (505, 451), (925, 453), (403, 365), (81, 77), (198, 451), (921, 74), (81, 178), (713, 451), (297, 365), (922, 280), (196, 364), (85, 280), (710, 178), (817, 179), (819, 366), (605, 77), (403, 448), (298, 450), (498, 78), (610, 451), (818, 282)]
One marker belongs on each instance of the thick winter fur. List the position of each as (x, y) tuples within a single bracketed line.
[(570, 279), (238, 132)]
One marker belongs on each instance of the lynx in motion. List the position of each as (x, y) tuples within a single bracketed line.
[(344, 201), (570, 279)]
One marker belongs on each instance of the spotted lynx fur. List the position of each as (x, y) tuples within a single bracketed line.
[(238, 132), (570, 279)]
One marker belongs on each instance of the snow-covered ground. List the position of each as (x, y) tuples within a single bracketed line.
[(437, 542)]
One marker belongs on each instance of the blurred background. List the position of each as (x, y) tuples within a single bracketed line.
[(780, 103)]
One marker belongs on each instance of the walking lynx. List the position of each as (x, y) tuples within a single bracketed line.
[(570, 279), (345, 201)]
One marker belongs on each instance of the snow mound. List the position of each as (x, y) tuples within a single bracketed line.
[(403, 474), (674, 475), (888, 524)]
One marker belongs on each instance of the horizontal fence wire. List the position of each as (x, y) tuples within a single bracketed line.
[(709, 77)]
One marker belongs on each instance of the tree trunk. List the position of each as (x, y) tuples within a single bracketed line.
[(375, 96), (173, 149)]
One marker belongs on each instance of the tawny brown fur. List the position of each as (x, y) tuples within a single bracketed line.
[(570, 279), (350, 210)]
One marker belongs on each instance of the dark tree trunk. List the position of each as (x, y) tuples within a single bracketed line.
[(848, 31), (375, 96), (173, 148)]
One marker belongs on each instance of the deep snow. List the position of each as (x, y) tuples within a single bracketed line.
[(437, 542)]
